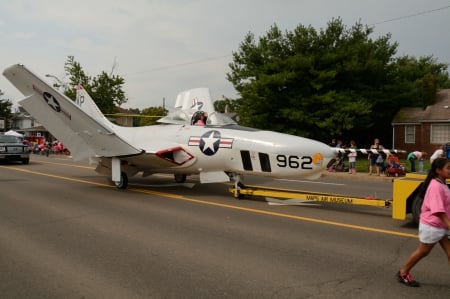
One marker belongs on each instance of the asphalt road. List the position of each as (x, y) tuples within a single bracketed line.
[(66, 233)]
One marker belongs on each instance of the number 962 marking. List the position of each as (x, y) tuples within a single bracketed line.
[(304, 162)]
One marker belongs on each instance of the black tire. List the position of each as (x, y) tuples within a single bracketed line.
[(416, 208), (26, 161), (179, 178), (123, 183)]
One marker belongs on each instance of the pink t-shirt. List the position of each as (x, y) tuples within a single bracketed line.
[(418, 155), (437, 200)]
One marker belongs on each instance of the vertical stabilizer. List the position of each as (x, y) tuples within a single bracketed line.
[(87, 104), (198, 99)]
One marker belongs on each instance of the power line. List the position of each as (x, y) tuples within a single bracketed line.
[(412, 15), (181, 64), (229, 55)]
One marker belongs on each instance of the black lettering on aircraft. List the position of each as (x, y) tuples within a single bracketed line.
[(80, 100), (294, 162)]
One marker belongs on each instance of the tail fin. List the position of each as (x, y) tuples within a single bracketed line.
[(87, 104), (190, 101), (85, 133), (197, 99), (187, 103)]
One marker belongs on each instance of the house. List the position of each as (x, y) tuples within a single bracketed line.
[(123, 117), (21, 119), (423, 129)]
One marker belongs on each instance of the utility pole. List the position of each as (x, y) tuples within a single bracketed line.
[(2, 119)]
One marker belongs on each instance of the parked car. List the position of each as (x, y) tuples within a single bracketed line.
[(12, 148)]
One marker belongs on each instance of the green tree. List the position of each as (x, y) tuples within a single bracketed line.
[(335, 82), (150, 115), (5, 111), (415, 81), (225, 105), (105, 89), (310, 83)]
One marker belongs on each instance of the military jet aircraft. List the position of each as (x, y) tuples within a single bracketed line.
[(219, 151)]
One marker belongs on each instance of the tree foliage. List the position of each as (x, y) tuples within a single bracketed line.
[(225, 105), (150, 115), (105, 89), (5, 111), (334, 82)]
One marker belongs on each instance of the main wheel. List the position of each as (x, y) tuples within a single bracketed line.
[(123, 183), (180, 178), (416, 208)]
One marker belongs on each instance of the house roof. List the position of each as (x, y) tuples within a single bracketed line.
[(34, 129), (438, 112)]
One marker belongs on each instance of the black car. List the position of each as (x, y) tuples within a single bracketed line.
[(13, 149)]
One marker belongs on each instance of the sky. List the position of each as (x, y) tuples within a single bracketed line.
[(162, 47)]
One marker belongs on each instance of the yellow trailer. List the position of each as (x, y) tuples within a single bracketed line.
[(405, 196), (309, 196)]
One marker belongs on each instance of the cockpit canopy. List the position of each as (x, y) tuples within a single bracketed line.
[(190, 117)]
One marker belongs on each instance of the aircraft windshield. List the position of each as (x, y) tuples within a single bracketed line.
[(176, 117), (219, 119)]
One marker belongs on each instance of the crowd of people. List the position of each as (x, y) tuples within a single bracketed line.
[(46, 147), (381, 162)]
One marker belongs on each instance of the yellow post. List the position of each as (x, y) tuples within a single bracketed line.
[(402, 190)]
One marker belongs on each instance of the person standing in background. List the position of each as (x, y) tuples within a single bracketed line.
[(412, 157), (352, 158), (438, 153), (374, 156)]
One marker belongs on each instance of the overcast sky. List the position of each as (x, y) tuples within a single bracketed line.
[(163, 47)]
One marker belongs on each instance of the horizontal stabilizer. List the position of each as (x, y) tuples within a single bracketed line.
[(83, 135)]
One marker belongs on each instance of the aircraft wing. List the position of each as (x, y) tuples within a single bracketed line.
[(82, 134)]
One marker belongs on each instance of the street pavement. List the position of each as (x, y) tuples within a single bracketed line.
[(357, 175)]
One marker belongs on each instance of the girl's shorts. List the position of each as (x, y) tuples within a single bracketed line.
[(429, 234)]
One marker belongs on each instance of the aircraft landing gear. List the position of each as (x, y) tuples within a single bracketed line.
[(237, 186), (180, 178), (123, 183)]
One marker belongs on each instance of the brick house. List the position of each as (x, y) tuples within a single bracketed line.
[(423, 129), (123, 118)]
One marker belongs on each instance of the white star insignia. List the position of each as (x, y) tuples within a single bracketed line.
[(209, 142)]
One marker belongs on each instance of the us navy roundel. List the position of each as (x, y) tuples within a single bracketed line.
[(52, 102), (210, 142)]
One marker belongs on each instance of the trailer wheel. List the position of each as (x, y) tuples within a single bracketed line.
[(416, 208)]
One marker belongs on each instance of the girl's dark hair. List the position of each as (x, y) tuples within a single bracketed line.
[(438, 163)]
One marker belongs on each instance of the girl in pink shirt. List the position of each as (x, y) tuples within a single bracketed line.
[(434, 226)]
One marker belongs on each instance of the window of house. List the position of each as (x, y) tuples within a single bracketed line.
[(410, 134), (440, 133)]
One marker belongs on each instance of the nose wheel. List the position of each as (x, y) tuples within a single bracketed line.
[(238, 185)]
